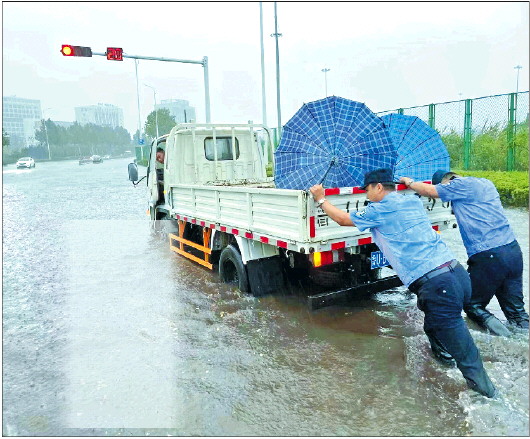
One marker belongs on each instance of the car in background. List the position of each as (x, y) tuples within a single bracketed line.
[(26, 162)]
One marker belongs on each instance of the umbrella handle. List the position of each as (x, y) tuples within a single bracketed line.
[(329, 167)]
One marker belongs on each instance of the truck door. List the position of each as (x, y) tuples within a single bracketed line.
[(155, 172)]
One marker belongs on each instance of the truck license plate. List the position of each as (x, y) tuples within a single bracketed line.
[(378, 260)]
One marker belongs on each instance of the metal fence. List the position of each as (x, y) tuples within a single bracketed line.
[(487, 133)]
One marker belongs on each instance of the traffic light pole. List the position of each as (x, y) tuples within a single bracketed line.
[(204, 64)]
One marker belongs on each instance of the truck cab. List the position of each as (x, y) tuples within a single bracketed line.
[(207, 154), (213, 154)]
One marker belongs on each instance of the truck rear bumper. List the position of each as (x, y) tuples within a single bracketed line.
[(343, 297)]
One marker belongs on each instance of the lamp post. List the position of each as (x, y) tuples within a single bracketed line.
[(326, 70), (460, 112), (276, 35), (138, 102), (156, 111), (46, 132), (518, 68), (263, 98)]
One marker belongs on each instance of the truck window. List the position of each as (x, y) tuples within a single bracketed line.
[(223, 146)]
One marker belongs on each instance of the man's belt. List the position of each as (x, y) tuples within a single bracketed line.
[(444, 268)]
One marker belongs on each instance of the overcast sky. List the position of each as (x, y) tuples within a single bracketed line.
[(387, 55)]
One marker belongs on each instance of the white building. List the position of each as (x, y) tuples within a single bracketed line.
[(20, 118), (101, 114), (179, 109)]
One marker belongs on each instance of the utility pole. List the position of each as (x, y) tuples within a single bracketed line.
[(46, 132), (138, 100), (276, 35), (518, 70), (156, 111), (263, 97), (47, 141)]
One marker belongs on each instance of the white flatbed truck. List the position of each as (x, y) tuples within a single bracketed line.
[(226, 214)]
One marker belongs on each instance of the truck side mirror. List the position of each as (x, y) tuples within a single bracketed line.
[(133, 172)]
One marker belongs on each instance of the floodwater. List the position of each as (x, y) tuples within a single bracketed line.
[(107, 332)]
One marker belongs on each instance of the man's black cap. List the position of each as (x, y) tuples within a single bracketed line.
[(383, 175), (438, 176)]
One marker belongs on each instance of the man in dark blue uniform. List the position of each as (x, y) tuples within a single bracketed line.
[(495, 262), (401, 229)]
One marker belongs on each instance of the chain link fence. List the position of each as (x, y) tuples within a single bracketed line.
[(487, 133)]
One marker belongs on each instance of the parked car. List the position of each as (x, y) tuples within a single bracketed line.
[(25, 162)]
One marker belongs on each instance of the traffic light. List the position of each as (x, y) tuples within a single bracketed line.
[(69, 50), (115, 53)]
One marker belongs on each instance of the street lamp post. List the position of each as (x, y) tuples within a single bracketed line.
[(326, 70), (138, 102), (156, 111), (518, 68), (263, 98), (460, 112), (276, 35), (46, 132)]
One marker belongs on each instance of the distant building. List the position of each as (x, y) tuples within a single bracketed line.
[(106, 115), (20, 118), (62, 124), (179, 109)]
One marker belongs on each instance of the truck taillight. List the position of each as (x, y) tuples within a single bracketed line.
[(326, 258)]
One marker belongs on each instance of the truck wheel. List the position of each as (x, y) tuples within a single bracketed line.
[(326, 278), (232, 269)]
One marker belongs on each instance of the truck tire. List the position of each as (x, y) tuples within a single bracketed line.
[(232, 270), (326, 278)]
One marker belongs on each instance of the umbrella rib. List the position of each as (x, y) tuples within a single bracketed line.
[(408, 129), (420, 144), (309, 140)]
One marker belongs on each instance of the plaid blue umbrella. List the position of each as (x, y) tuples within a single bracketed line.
[(333, 141), (420, 149)]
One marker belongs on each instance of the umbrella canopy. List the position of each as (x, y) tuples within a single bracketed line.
[(333, 141), (420, 149)]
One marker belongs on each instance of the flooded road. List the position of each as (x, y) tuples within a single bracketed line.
[(107, 332)]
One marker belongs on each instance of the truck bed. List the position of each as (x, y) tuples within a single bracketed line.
[(260, 211)]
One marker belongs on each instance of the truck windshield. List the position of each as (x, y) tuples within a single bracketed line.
[(223, 145)]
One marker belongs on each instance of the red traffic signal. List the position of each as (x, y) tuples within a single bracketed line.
[(115, 53), (69, 50)]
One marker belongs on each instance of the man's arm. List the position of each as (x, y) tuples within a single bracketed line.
[(427, 190), (339, 216)]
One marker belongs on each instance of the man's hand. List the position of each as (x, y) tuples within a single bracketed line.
[(406, 181), (427, 190), (318, 192), (339, 216)]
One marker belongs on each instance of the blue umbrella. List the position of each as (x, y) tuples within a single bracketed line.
[(420, 149), (333, 141)]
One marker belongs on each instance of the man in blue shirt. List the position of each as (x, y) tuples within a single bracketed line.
[(495, 262), (401, 229)]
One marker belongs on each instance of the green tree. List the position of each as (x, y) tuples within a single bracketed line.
[(165, 123), (5, 138), (40, 134), (489, 148), (136, 138)]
